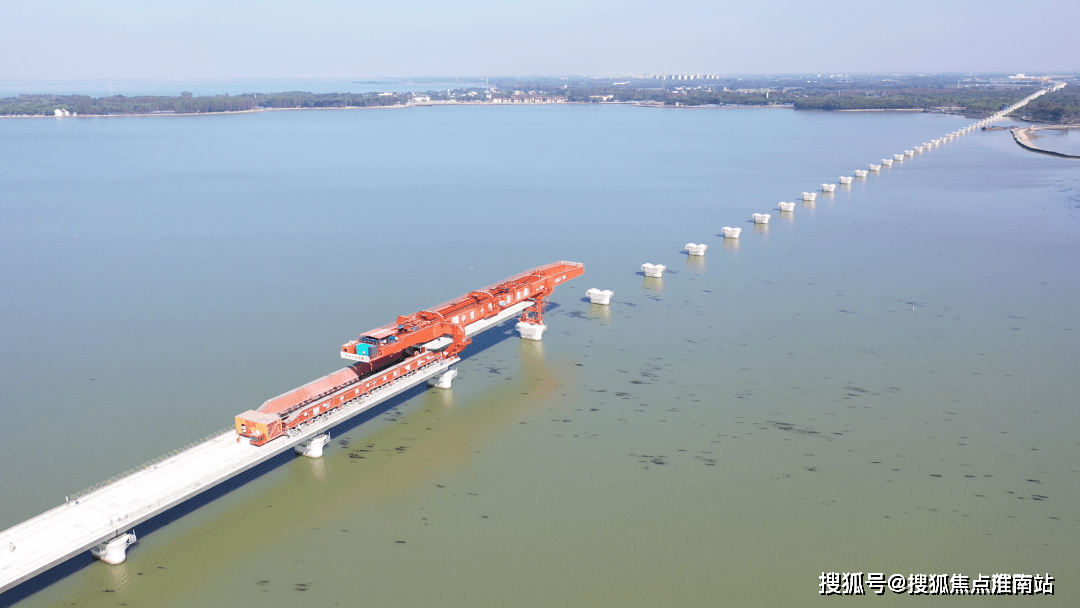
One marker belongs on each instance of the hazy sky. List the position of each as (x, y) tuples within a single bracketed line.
[(92, 39)]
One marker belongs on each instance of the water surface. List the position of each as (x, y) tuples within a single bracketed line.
[(880, 381)]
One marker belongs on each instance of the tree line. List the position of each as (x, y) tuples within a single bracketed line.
[(1058, 107), (1063, 106), (186, 103)]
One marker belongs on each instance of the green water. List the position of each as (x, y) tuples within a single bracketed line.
[(879, 382)]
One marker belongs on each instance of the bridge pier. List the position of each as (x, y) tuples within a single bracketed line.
[(313, 448), (600, 296), (114, 551), (443, 380), (531, 331)]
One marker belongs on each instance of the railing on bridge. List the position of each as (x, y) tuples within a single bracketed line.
[(148, 464)]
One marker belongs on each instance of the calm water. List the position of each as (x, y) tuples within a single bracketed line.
[(1066, 141), (883, 381)]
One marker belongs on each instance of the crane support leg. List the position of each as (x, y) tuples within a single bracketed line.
[(531, 326)]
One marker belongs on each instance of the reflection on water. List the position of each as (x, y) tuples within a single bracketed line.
[(445, 397), (653, 284), (318, 468), (732, 245), (532, 354), (696, 264), (599, 311), (119, 574)]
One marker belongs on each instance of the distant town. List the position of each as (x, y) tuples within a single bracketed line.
[(969, 94)]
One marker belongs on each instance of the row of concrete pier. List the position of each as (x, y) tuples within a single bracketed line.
[(809, 198)]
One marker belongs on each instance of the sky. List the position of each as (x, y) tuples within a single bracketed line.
[(129, 39)]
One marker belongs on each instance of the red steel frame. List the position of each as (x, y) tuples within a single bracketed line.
[(401, 351)]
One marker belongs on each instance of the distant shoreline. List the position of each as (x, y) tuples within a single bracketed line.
[(639, 104), (882, 110), (411, 105), (252, 111)]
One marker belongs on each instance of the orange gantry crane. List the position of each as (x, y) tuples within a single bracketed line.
[(398, 349)]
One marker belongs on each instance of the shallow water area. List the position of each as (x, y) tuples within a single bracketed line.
[(1065, 141), (879, 381)]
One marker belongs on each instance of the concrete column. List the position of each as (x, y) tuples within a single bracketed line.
[(531, 331), (114, 551), (443, 380), (313, 448), (653, 270)]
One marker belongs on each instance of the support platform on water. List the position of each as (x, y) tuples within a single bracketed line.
[(107, 516)]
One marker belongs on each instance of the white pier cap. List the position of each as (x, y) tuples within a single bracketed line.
[(313, 448), (600, 296), (828, 187), (898, 157), (861, 172), (874, 167), (731, 233), (787, 206), (809, 196), (695, 249), (909, 153), (846, 179), (653, 270), (761, 218), (443, 380), (887, 162), (114, 551), (531, 331)]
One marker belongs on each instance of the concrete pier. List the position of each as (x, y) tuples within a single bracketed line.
[(531, 331), (653, 270), (600, 296)]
